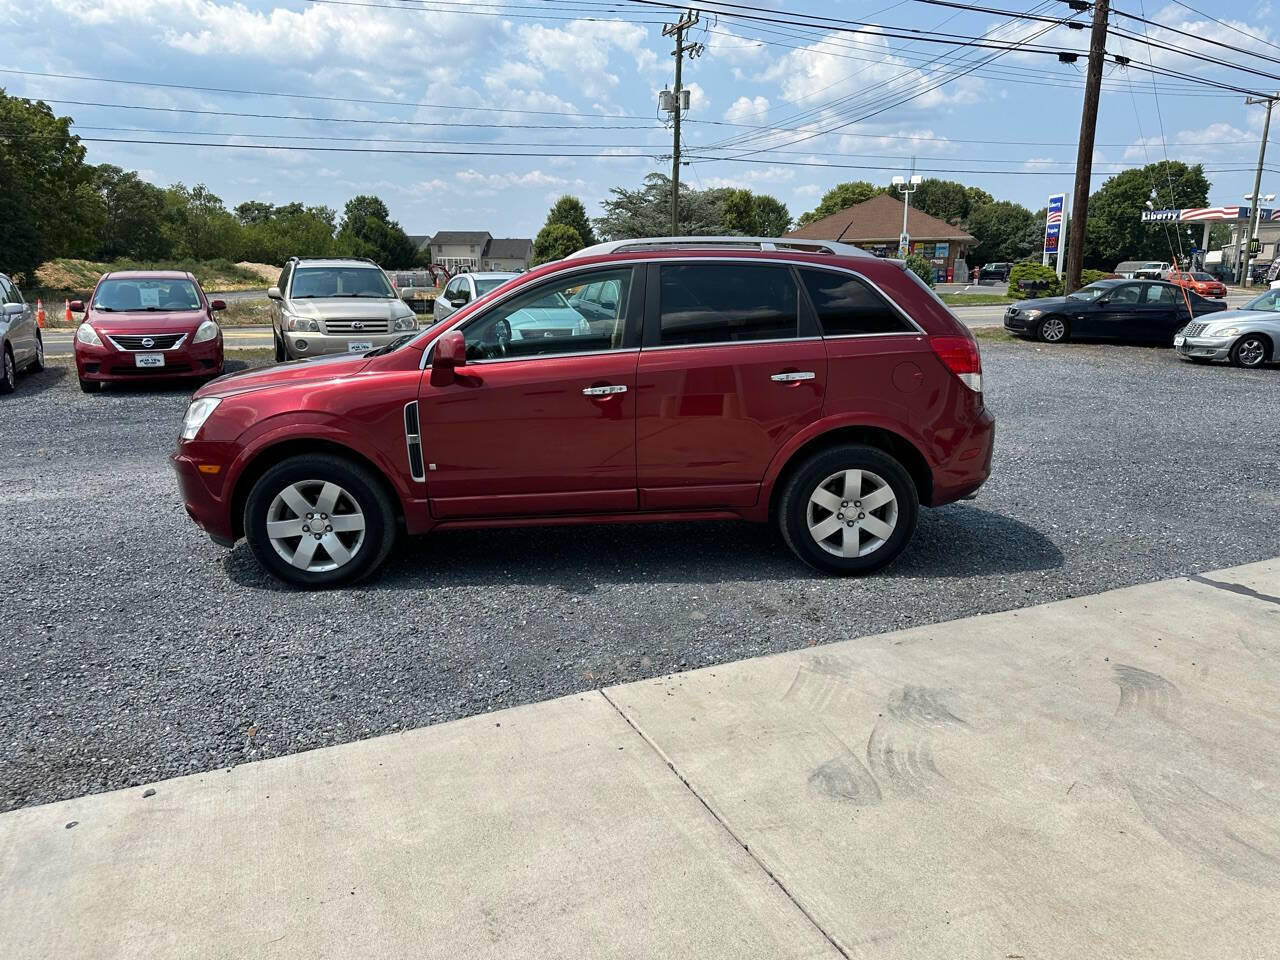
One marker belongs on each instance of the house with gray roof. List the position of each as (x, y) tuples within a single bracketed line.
[(472, 250)]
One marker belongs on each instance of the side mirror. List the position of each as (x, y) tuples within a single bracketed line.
[(77, 306), (274, 293), (457, 301), (450, 353), (12, 309), (217, 305)]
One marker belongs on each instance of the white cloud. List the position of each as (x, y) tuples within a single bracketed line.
[(503, 181), (747, 109), (585, 50), (698, 99), (1209, 142)]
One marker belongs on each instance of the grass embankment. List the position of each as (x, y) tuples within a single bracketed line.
[(68, 279), (975, 299)]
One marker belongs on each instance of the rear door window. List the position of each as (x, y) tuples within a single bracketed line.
[(726, 303), (847, 306)]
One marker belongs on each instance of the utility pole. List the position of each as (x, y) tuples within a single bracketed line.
[(1245, 242), (1084, 153), (677, 103), (906, 188)]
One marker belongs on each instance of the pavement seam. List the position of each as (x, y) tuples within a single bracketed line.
[(1238, 588), (725, 826)]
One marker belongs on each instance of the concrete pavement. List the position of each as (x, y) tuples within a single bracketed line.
[(1094, 777)]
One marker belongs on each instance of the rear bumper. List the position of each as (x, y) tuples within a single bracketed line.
[(205, 495), (106, 364), (967, 468)]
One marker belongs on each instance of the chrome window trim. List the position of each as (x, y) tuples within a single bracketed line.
[(554, 356), (863, 336), (176, 344), (731, 343), (640, 258)]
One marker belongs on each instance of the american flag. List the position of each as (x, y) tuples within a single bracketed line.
[(1054, 217), (1213, 213)]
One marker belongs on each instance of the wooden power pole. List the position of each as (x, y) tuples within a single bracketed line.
[(676, 107), (1084, 152)]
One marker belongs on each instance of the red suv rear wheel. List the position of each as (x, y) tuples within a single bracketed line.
[(849, 509)]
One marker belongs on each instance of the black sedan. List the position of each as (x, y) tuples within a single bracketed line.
[(1137, 311)]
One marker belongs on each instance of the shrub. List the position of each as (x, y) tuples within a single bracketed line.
[(921, 267), (1092, 276), (1031, 279)]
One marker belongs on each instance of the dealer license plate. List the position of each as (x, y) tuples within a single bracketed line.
[(355, 346), (148, 359)]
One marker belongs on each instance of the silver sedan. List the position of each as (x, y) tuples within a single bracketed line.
[(1247, 337)]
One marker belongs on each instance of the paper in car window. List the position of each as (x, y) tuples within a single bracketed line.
[(150, 296)]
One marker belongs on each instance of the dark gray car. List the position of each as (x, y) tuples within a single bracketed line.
[(20, 337)]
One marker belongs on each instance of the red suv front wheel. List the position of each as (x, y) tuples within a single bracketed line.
[(849, 509)]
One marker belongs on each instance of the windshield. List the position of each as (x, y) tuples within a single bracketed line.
[(1269, 301), (484, 286), (1089, 293), (316, 282), (1202, 277), (143, 294)]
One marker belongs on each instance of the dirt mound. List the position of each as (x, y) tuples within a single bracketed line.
[(265, 270)]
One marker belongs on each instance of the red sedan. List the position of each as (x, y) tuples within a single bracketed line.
[(147, 324), (809, 385), (1201, 283)]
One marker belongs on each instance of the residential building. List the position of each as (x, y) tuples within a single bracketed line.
[(875, 224), (473, 250)]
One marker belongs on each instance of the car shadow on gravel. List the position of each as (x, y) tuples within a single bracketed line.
[(32, 384), (954, 541)]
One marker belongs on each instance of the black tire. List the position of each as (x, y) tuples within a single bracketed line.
[(8, 372), (88, 386), (1251, 351), (360, 487), (37, 364), (794, 509), (280, 354), (1047, 330)]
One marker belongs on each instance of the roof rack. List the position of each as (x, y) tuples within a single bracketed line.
[(337, 257), (798, 244)]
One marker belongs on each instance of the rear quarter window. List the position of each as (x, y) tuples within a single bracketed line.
[(847, 306)]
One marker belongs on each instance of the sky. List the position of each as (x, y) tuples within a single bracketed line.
[(573, 86)]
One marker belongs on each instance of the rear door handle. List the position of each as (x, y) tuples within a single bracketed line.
[(793, 376), (604, 391)]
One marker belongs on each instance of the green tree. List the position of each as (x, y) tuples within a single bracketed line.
[(840, 197), (773, 219), (1003, 231), (555, 241), (45, 186), (921, 267), (367, 230), (740, 213), (976, 197), (253, 212), (945, 199), (200, 226), (570, 211), (132, 224), (1115, 231), (754, 214), (647, 212), (273, 234)]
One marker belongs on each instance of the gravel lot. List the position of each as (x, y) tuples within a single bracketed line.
[(136, 650)]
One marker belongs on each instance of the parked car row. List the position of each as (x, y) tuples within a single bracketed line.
[(1150, 311)]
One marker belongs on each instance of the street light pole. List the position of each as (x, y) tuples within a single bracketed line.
[(906, 189)]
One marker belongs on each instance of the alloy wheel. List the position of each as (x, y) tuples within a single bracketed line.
[(1251, 352), (315, 525), (1052, 330), (10, 371), (852, 513)]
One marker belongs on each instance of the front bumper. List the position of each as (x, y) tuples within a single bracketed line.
[(107, 364), (299, 344), (1019, 324), (205, 495), (1203, 348)]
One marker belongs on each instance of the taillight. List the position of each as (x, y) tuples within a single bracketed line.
[(960, 354)]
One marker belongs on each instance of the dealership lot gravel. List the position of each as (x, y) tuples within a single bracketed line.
[(134, 649)]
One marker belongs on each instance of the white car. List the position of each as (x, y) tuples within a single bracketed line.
[(1247, 337), (466, 287)]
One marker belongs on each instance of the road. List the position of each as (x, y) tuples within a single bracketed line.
[(139, 650)]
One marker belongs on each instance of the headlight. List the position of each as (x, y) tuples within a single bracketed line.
[(206, 331), (1228, 332), (293, 322), (406, 323), (1032, 313), (197, 414), (86, 334)]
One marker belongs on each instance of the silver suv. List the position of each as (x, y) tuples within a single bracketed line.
[(335, 305), (21, 343)]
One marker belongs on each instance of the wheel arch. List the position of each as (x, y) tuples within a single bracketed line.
[(1266, 338), (266, 458), (894, 444)]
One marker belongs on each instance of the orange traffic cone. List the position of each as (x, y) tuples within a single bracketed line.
[(39, 312), (66, 312)]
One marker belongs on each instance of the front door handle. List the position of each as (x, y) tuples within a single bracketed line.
[(604, 391), (793, 376)]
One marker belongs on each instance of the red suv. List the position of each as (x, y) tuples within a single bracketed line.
[(152, 323), (804, 383)]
